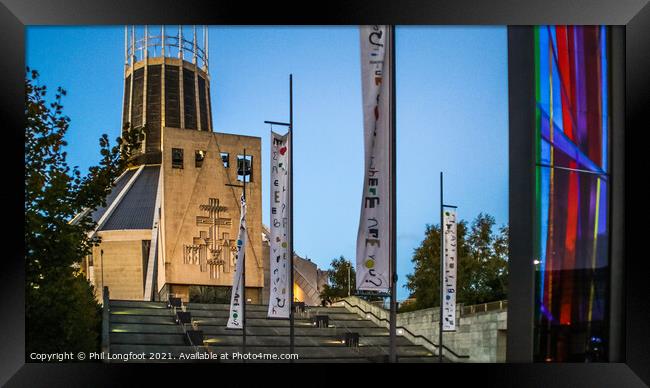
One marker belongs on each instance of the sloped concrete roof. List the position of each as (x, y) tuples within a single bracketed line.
[(119, 186), (136, 209), (137, 205)]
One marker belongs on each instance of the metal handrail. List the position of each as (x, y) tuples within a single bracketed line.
[(171, 42), (403, 328)]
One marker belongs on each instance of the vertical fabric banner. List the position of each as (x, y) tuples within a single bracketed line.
[(279, 303), (373, 245), (450, 265), (236, 299)]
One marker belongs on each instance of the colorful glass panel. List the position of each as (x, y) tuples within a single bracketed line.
[(572, 261)]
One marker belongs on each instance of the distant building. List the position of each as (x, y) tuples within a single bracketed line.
[(308, 279)]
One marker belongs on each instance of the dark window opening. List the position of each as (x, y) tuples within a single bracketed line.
[(177, 158), (189, 99), (198, 158), (146, 247), (225, 159), (245, 168), (172, 97)]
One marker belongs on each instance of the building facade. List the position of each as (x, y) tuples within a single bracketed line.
[(171, 221)]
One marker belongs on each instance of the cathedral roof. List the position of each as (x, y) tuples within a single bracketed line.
[(136, 209), (110, 198), (131, 202)]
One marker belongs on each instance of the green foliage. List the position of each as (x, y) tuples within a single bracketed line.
[(338, 280), (482, 265), (61, 311), (62, 315)]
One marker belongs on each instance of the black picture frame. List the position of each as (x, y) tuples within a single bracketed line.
[(634, 15)]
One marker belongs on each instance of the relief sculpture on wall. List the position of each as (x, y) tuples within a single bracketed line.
[(213, 250)]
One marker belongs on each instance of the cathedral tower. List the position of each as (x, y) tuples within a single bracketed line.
[(166, 83), (171, 220)]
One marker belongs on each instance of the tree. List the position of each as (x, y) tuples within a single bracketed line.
[(61, 311), (338, 279), (482, 265)]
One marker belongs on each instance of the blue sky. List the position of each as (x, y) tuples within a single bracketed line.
[(452, 116)]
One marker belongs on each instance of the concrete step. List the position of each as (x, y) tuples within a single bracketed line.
[(284, 331), (273, 341), (251, 322), (144, 328), (265, 308), (138, 304), (147, 339), (207, 321), (327, 310), (257, 340), (198, 306), (199, 313), (421, 360), (143, 319), (149, 327), (140, 311), (219, 306), (250, 330)]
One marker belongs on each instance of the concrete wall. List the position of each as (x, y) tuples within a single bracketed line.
[(122, 264), (481, 335), (476, 335), (186, 189)]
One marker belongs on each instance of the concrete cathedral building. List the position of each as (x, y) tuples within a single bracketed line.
[(308, 278), (170, 223)]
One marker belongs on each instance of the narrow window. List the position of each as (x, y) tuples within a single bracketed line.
[(245, 168), (198, 158), (146, 245), (177, 158), (225, 159)]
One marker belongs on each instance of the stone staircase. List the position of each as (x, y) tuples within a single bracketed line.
[(150, 327)]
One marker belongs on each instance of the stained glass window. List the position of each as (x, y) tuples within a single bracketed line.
[(572, 261)]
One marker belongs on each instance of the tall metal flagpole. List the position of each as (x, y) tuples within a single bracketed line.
[(442, 269), (393, 219), (290, 126), (291, 318), (243, 271)]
